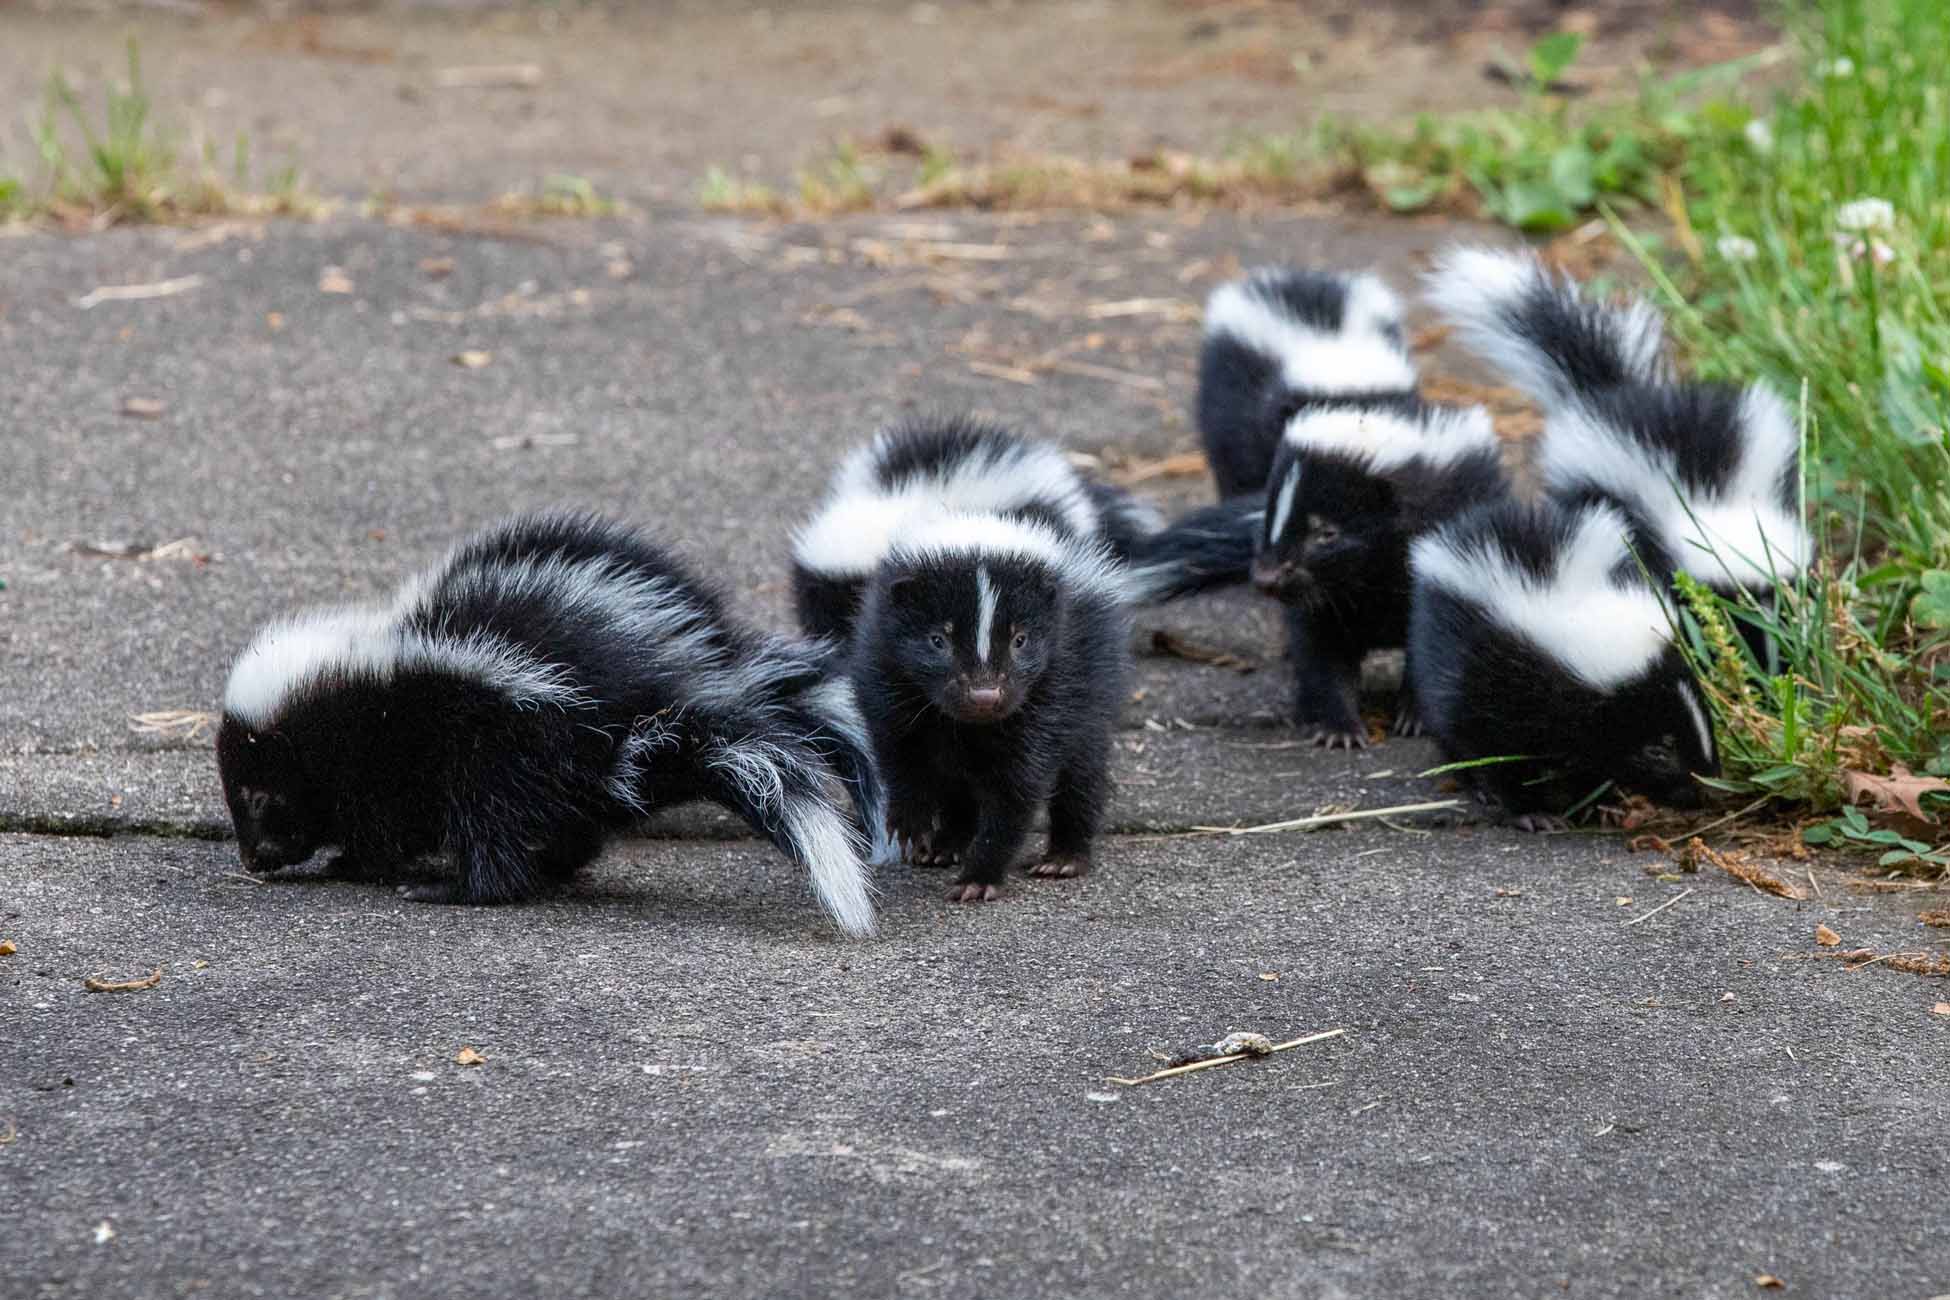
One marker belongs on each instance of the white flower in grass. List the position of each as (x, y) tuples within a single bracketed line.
[(1866, 214), (1842, 67), (1738, 248), (1760, 136)]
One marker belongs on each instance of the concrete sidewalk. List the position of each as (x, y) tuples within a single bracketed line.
[(690, 1083)]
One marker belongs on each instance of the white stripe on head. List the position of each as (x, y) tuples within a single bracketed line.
[(973, 538), (1283, 505), (1388, 440), (984, 612), (1357, 358), (1600, 629)]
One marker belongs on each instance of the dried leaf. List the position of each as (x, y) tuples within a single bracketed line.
[(468, 1056), (144, 408), (1178, 647), (437, 266), (96, 984), (7, 948), (1826, 937), (1184, 464), (274, 321), (1940, 1009), (1939, 918), (472, 359), (334, 280), (1900, 791), (1921, 963), (1736, 865), (1768, 1282)]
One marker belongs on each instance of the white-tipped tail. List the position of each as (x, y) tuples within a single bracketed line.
[(825, 843), (1535, 326)]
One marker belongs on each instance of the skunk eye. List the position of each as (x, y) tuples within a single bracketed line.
[(1020, 640), (937, 640)]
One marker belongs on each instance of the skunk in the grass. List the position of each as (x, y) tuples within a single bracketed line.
[(552, 682), (1350, 490), (1537, 637), (1708, 475), (925, 469), (991, 659), (1280, 341)]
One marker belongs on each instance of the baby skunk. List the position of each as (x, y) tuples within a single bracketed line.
[(555, 680), (1707, 475), (1536, 635), (927, 468), (1350, 490), (1281, 341), (991, 659)]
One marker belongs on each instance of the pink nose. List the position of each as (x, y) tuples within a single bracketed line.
[(1268, 575), (985, 699)]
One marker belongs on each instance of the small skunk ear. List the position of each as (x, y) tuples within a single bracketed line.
[(902, 588)]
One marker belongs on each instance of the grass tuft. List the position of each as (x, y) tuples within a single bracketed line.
[(127, 168)]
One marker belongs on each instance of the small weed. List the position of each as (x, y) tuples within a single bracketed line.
[(841, 183), (722, 192), (559, 196), (128, 168)]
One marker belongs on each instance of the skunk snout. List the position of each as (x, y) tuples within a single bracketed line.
[(247, 854), (1270, 575), (983, 701)]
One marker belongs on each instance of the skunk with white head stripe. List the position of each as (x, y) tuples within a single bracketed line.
[(991, 657), (924, 469), (1708, 475), (1349, 491), (1535, 637), (1280, 341), (553, 681)]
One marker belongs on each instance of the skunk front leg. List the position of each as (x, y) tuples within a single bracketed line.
[(1326, 683)]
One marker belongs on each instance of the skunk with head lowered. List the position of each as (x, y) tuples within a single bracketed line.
[(552, 682), (991, 657), (1536, 642), (1281, 341)]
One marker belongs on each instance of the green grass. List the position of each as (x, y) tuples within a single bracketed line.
[(123, 165), (1783, 279)]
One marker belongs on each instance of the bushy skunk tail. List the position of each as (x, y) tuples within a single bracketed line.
[(1533, 325), (780, 741), (1208, 548)]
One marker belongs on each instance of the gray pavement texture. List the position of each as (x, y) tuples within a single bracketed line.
[(690, 1084)]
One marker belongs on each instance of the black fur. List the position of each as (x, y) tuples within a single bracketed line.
[(1207, 548), (967, 770), (1486, 691), (1244, 402), (656, 697), (1339, 565)]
